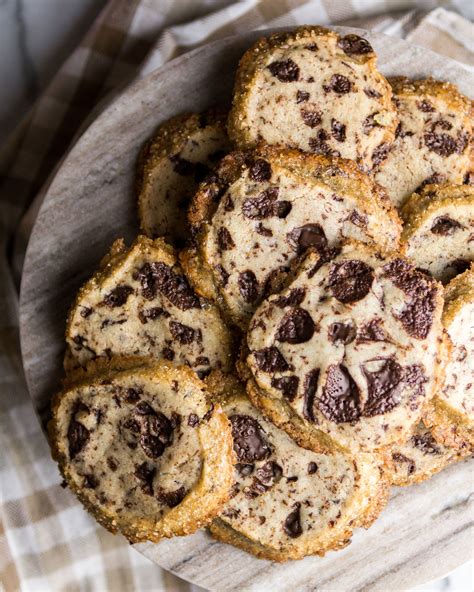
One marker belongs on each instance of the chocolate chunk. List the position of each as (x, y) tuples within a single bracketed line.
[(229, 205), (201, 360), (158, 277), (425, 106), (354, 45), (442, 143), (344, 332), (184, 334), (312, 468), (339, 84), (225, 242), (294, 298), (369, 123), (445, 226), (145, 473), (426, 443), (260, 171), (338, 130), (156, 430), (340, 398), (248, 286), (262, 230), (380, 153), (288, 385), (250, 443), (144, 408), (151, 314), (358, 219), (285, 71), (415, 379), (292, 524), (78, 436), (384, 384), (372, 93), (171, 498), (311, 118), (132, 425), (270, 359), (181, 166), (90, 482), (168, 353), (312, 46), (402, 459), (350, 281), (319, 144), (371, 331), (309, 235), (297, 326), (244, 469), (118, 296), (132, 395), (310, 387), (223, 275), (86, 312), (434, 178), (255, 489), (302, 96), (270, 472), (193, 420), (266, 205), (112, 463), (417, 315)]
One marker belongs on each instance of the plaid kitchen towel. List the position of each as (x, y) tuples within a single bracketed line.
[(47, 541)]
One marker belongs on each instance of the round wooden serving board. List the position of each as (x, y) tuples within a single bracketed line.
[(425, 531)]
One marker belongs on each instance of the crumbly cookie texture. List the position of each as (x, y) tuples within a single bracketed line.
[(349, 352), (433, 140), (171, 164), (288, 502), (439, 229), (420, 457), (451, 414), (144, 450), (314, 90), (140, 304), (262, 209)]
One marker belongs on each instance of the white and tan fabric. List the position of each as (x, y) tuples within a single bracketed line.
[(47, 541)]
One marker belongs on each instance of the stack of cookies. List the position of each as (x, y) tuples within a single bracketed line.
[(293, 331)]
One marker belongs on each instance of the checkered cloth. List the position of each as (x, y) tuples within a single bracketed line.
[(47, 541)]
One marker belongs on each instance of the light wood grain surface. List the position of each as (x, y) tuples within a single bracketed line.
[(424, 532)]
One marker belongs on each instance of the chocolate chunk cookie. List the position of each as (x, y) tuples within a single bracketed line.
[(141, 304), (288, 502), (314, 90), (366, 357), (172, 163), (433, 138), (439, 229), (144, 450), (265, 208)]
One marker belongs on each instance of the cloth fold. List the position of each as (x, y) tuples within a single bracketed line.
[(47, 541)]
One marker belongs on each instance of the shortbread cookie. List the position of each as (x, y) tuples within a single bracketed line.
[(144, 450), (314, 90), (432, 140), (350, 352), (451, 414), (178, 156), (140, 304), (261, 211), (288, 502), (419, 458), (439, 229)]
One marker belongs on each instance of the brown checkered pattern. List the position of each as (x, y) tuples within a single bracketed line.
[(47, 541)]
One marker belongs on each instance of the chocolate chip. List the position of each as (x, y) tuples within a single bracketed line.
[(340, 398), (78, 436), (171, 498), (151, 314), (250, 443), (248, 286), (369, 123), (442, 143), (181, 166), (309, 235), (372, 93), (168, 353), (312, 468), (401, 132), (260, 171), (344, 332), (266, 205), (445, 226), (159, 277), (144, 408), (311, 118), (244, 469), (350, 281), (425, 106), (223, 275), (285, 71), (402, 459), (201, 360), (86, 312), (132, 425), (90, 482), (302, 96), (384, 382), (262, 230), (380, 153), (294, 298), (118, 296), (145, 473), (225, 242), (426, 443), (338, 130), (292, 524), (354, 45), (339, 84), (288, 385), (319, 144), (270, 472), (193, 420), (255, 489), (270, 359), (184, 334), (358, 219), (310, 387), (132, 395), (229, 205), (371, 331), (297, 326), (312, 46)]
